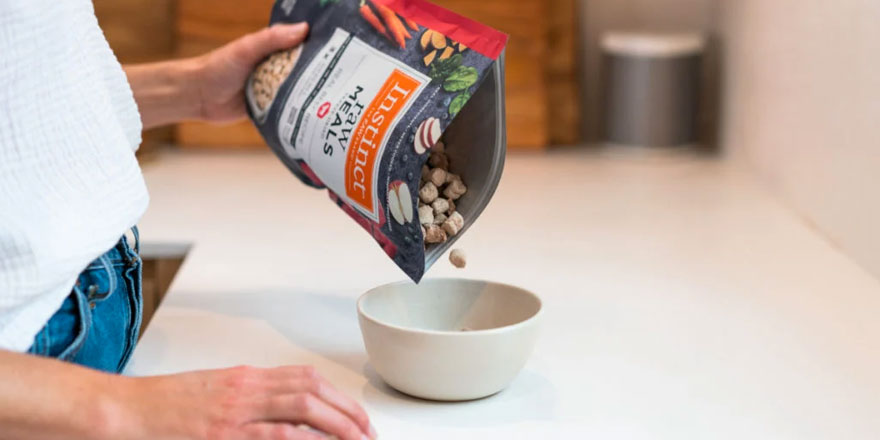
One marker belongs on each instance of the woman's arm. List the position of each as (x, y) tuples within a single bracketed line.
[(42, 398), (209, 87)]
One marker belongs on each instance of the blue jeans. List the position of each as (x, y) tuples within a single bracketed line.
[(97, 325)]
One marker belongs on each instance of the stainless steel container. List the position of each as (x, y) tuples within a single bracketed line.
[(477, 145), (652, 88)]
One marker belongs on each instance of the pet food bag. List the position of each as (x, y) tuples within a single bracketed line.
[(396, 107)]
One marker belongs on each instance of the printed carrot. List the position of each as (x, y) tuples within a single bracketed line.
[(371, 18), (412, 25), (394, 24)]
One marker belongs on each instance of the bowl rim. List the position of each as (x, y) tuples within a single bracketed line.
[(489, 331)]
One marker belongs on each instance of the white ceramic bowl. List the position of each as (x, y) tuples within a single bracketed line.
[(449, 339)]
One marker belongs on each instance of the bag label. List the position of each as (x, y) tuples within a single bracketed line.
[(341, 111)]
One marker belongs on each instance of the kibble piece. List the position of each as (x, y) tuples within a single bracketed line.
[(434, 234), (425, 172), (426, 215), (451, 206), (437, 176), (452, 226), (458, 258), (439, 219), (438, 160), (454, 190), (440, 205), (428, 193), (439, 147), (450, 177)]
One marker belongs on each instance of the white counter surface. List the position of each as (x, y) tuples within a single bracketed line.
[(682, 301)]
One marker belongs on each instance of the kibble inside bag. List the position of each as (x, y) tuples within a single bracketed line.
[(360, 107)]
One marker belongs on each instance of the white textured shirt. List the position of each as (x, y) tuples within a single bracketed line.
[(70, 185)]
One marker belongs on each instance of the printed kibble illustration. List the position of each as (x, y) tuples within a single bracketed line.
[(360, 109)]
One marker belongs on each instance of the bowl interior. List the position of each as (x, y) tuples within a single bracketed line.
[(449, 305)]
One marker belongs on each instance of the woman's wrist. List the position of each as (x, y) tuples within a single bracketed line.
[(112, 412), (140, 409)]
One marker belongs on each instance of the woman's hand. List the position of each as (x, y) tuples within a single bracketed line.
[(43, 398), (224, 71), (209, 87), (243, 403)]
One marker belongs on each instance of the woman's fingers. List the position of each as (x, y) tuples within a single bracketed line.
[(252, 48), (309, 409), (347, 406), (305, 379)]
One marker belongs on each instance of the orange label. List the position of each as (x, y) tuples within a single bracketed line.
[(369, 136)]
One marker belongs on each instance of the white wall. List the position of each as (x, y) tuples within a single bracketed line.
[(801, 105)]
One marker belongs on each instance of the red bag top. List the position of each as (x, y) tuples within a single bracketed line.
[(479, 37)]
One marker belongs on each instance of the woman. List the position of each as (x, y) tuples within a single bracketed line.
[(70, 187)]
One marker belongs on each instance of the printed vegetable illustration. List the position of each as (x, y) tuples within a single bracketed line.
[(461, 79), (371, 18), (458, 102), (446, 66), (429, 58), (447, 53), (441, 69), (427, 134), (400, 202), (395, 25), (327, 2), (391, 26), (438, 46), (412, 25)]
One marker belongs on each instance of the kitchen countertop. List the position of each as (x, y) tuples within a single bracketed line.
[(682, 300)]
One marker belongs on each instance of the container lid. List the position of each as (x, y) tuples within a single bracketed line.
[(653, 44)]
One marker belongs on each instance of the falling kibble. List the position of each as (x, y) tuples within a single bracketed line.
[(458, 258)]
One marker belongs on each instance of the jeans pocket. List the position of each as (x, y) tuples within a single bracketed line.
[(66, 332), (83, 320)]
